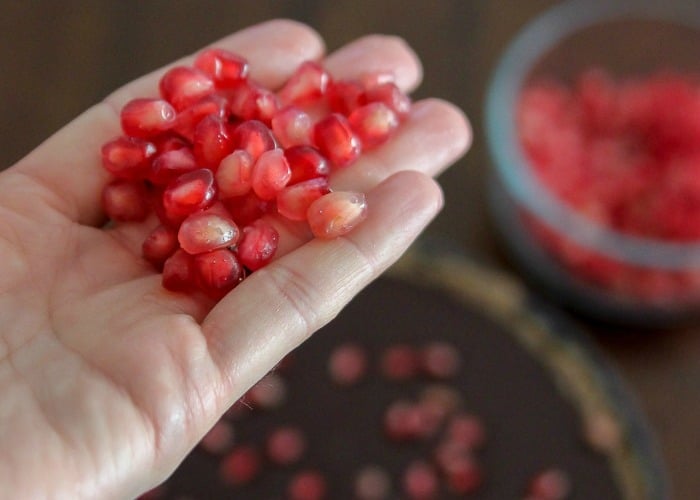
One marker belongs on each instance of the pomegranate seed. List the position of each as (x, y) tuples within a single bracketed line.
[(285, 445), (389, 94), (420, 481), (466, 430), (128, 157), (292, 127), (177, 272), (247, 208), (440, 360), (147, 117), (307, 485), (222, 66), (550, 484), (400, 362), (293, 201), (440, 399), (254, 137), (213, 141), (204, 232), (337, 213), (219, 438), (125, 201), (447, 452), (249, 101), (233, 174), (167, 143), (336, 140), (404, 421), (167, 166), (372, 483), (183, 86), (376, 78), (240, 466), (159, 245), (345, 96), (189, 193), (373, 124), (306, 162), (308, 83), (347, 364), (217, 272), (270, 174), (463, 475), (188, 119), (258, 244), (268, 393)]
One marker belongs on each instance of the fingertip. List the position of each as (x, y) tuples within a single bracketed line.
[(454, 124)]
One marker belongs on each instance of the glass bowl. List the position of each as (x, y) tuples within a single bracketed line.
[(589, 266)]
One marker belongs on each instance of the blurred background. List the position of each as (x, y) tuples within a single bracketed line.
[(58, 58)]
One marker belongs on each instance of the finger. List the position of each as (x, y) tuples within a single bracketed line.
[(279, 306), (68, 164)]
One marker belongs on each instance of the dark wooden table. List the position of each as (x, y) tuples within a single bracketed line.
[(58, 58)]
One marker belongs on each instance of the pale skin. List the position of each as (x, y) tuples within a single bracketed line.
[(106, 379)]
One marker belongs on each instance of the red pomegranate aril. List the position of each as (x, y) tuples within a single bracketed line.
[(293, 202), (178, 273), (249, 101), (466, 430), (247, 208), (222, 66), (372, 483), (219, 438), (307, 485), (268, 393), (241, 466), (306, 162), (254, 137), (440, 360), (168, 166), (345, 96), (463, 475), (189, 118), (270, 174), (400, 362), (335, 139), (404, 421), (258, 244), (212, 142), (550, 484), (217, 272), (166, 143), (183, 86), (189, 193), (204, 232), (125, 201), (233, 174), (128, 157), (420, 481), (373, 124), (389, 94), (147, 117), (337, 213), (307, 84), (347, 364), (159, 245), (292, 127), (285, 445)]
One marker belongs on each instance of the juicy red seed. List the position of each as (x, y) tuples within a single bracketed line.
[(285, 445), (222, 66), (251, 102), (247, 208), (440, 400), (420, 481), (147, 117), (389, 94), (219, 438), (204, 232), (293, 201), (448, 452), (308, 83), (258, 245), (254, 137), (373, 124), (345, 96), (128, 157), (212, 142), (183, 86), (125, 201), (404, 421), (159, 245), (233, 174), (268, 393), (463, 475), (347, 364), (400, 362), (307, 485), (336, 140), (270, 174), (178, 272), (337, 213), (189, 193), (189, 118), (466, 430), (217, 272), (440, 360), (292, 127), (167, 166), (168, 143), (550, 484), (306, 163), (372, 483), (240, 466)]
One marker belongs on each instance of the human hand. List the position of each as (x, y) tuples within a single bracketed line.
[(107, 379)]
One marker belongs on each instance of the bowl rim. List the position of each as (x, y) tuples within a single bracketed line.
[(538, 36)]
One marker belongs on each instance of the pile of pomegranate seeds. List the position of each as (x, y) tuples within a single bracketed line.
[(626, 154), (217, 153)]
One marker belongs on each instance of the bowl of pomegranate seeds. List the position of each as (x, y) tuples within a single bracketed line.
[(593, 123)]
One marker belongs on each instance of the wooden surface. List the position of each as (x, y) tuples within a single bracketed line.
[(58, 58)]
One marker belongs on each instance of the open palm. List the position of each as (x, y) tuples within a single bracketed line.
[(106, 379)]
